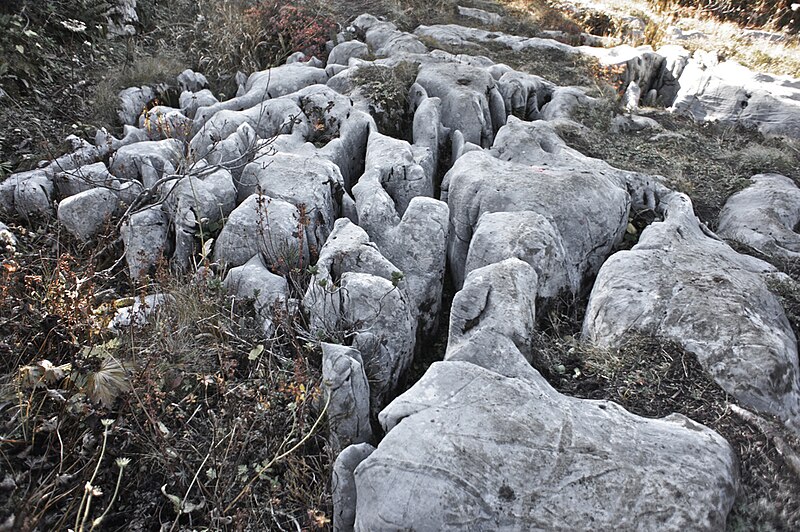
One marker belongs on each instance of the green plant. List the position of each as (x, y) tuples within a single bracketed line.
[(386, 88)]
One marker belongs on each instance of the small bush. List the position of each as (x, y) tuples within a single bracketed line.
[(245, 35), (386, 88)]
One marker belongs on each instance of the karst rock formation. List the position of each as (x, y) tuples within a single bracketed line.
[(484, 190)]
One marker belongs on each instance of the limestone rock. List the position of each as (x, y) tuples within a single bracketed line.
[(500, 298), (146, 161), (343, 52), (311, 183), (586, 208), (190, 102), (33, 195), (343, 485), (192, 81), (480, 15), (524, 95), (254, 280), (763, 216), (470, 100), (136, 315), (399, 173), (145, 238), (682, 283), (264, 226), (415, 243), (469, 448), (85, 213), (347, 391), (265, 85), (133, 101), (162, 122), (527, 236), (729, 92)]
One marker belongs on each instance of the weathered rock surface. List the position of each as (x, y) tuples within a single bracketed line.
[(415, 243), (145, 237), (347, 391), (254, 280), (85, 213), (457, 456), (528, 236), (500, 298), (729, 92), (764, 216), (470, 101), (587, 209), (343, 485), (264, 226), (146, 161), (681, 283), (311, 183)]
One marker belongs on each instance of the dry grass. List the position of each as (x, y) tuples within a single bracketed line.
[(204, 408), (707, 161)]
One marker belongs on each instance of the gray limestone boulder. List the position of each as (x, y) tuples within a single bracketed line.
[(132, 102), (144, 235), (764, 216), (381, 318), (192, 81), (146, 161), (343, 486), (427, 129), (349, 249), (190, 101), (85, 213), (469, 448), (400, 174), (524, 95), (626, 65), (499, 298), (370, 309), (347, 393), (253, 280), (675, 60), (682, 283), (88, 177), (265, 85), (236, 151), (348, 150), (343, 52), (136, 315), (462, 36), (416, 243), (268, 119), (162, 122), (32, 195), (730, 92), (266, 226), (563, 102), (537, 144), (385, 39), (470, 101), (484, 17), (311, 183), (198, 200), (587, 209), (527, 236)]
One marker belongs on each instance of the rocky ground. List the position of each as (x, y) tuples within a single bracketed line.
[(453, 269)]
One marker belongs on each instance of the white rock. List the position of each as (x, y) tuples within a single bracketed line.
[(683, 284), (763, 216), (85, 213)]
